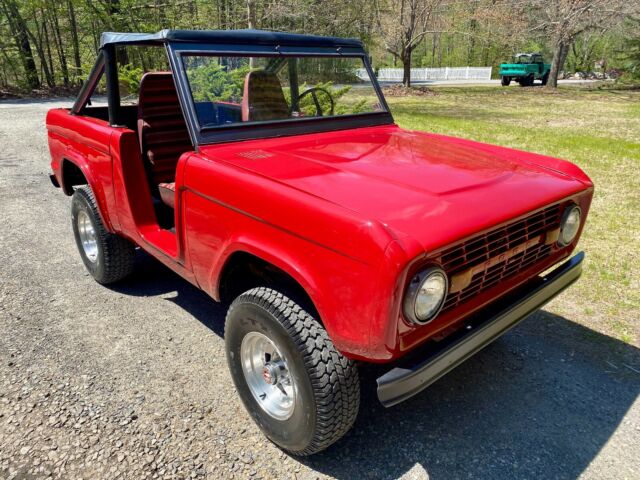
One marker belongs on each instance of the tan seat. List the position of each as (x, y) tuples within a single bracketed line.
[(263, 98), (168, 193), (161, 127)]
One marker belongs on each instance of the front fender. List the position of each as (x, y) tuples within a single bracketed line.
[(334, 254), (346, 292)]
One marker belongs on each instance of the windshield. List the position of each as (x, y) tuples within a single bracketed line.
[(237, 90)]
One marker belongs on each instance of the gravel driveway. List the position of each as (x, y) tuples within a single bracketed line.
[(131, 381)]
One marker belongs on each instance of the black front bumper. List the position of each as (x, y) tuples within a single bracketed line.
[(412, 377)]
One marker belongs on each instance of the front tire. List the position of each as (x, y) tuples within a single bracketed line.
[(108, 257), (303, 394)]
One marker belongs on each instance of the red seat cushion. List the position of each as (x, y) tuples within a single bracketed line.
[(168, 193), (161, 126)]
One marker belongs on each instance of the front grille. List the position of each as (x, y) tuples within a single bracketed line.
[(482, 248)]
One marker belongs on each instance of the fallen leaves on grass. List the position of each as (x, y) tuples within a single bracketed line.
[(402, 91)]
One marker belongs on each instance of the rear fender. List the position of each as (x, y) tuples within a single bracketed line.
[(96, 187), (83, 142)]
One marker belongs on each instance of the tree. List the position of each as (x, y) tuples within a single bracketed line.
[(564, 20), (632, 54), (73, 27), (21, 36), (251, 24), (402, 25), (634, 57), (55, 42), (251, 14)]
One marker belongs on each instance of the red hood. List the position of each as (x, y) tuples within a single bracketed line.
[(433, 188)]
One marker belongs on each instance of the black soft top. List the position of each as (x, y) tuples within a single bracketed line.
[(244, 37)]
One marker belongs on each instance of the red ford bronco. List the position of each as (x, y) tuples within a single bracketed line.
[(266, 169)]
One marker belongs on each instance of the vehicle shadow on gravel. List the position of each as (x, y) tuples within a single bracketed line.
[(151, 278), (540, 402)]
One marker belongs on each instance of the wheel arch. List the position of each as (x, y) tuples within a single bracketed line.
[(71, 175), (74, 172), (244, 269)]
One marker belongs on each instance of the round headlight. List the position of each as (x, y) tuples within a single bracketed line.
[(425, 295), (569, 225)]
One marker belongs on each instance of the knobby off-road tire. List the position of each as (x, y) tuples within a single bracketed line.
[(327, 388), (108, 257)]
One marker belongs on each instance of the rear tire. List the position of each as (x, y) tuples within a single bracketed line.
[(525, 81), (545, 79), (108, 257), (506, 81), (302, 393)]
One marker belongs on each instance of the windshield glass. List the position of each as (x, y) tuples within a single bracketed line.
[(236, 90)]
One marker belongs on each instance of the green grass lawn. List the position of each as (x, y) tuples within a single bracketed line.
[(597, 129)]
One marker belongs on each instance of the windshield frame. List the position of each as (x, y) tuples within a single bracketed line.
[(204, 135)]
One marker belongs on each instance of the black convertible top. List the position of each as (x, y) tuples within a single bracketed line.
[(245, 37)]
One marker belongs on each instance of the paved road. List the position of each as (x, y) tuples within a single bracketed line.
[(131, 381)]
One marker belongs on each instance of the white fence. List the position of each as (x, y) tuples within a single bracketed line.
[(432, 74)]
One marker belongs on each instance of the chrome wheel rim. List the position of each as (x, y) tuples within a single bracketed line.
[(87, 234), (268, 376)]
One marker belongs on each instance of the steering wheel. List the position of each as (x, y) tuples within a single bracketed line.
[(314, 95)]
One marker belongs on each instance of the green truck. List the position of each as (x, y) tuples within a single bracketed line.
[(527, 68)]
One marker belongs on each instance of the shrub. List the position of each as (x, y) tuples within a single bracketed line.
[(212, 82), (129, 78)]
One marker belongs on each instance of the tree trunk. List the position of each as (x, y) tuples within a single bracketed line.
[(406, 68), (559, 57), (62, 57), (122, 56), (161, 15), (433, 49), (21, 37), (472, 42), (251, 14), (251, 24), (10, 63), (73, 24), (42, 38)]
